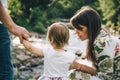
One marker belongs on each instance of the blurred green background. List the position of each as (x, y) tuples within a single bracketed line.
[(37, 15)]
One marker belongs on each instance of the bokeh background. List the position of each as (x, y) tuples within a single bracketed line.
[(37, 15)]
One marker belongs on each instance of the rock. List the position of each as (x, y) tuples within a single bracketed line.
[(23, 57), (16, 63)]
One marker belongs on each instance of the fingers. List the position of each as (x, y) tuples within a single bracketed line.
[(25, 36), (22, 33), (26, 33), (21, 39)]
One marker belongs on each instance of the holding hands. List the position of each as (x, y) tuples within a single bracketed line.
[(19, 31)]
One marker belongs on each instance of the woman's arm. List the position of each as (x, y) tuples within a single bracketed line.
[(32, 48), (82, 67)]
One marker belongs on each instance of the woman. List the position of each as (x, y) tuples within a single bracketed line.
[(103, 49)]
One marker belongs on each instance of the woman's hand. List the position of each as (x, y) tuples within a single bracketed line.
[(83, 68)]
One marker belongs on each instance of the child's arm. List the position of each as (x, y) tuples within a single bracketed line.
[(83, 68), (32, 48)]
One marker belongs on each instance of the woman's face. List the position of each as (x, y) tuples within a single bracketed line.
[(83, 33)]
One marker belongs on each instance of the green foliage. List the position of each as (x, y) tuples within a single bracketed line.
[(117, 14), (37, 20), (33, 13), (15, 77), (53, 12), (15, 9), (110, 11), (39, 27)]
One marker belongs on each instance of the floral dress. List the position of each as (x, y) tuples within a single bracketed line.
[(107, 50), (79, 75)]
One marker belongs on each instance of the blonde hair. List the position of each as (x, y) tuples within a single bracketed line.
[(58, 35)]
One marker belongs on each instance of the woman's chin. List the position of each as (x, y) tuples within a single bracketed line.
[(81, 39)]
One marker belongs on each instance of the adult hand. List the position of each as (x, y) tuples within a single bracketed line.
[(19, 31)]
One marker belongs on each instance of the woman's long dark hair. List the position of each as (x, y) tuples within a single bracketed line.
[(88, 17)]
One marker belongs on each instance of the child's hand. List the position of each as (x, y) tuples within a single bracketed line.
[(25, 43), (33, 49)]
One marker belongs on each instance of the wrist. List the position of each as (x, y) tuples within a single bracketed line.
[(10, 25)]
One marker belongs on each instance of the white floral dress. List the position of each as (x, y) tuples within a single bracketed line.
[(107, 50)]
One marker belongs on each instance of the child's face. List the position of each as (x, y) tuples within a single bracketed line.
[(82, 34)]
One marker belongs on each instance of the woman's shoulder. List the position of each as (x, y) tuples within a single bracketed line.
[(102, 40), (106, 38), (106, 43)]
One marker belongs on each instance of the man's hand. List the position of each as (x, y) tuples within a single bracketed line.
[(19, 31)]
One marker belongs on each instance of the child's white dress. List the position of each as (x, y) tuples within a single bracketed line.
[(56, 64)]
